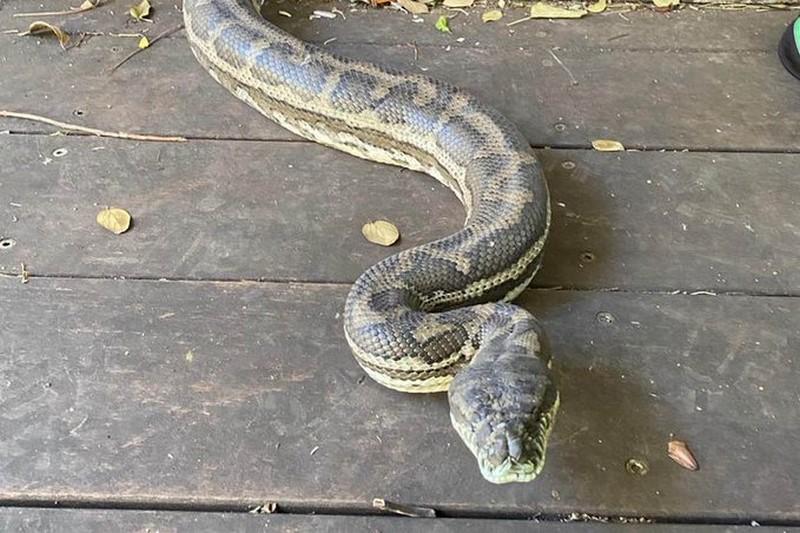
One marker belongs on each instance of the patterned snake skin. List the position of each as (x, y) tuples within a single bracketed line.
[(425, 319)]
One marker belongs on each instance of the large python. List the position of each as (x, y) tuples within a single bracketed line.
[(434, 317)]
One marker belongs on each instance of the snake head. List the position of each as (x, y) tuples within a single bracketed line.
[(504, 410)]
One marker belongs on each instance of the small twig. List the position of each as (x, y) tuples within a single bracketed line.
[(405, 510), (74, 430), (571, 77), (70, 11), (518, 21), (91, 131), (138, 50)]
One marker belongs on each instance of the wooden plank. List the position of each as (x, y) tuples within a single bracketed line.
[(102, 521), (677, 30), (293, 211), (193, 393), (680, 96)]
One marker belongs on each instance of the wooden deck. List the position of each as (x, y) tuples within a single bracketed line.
[(194, 368)]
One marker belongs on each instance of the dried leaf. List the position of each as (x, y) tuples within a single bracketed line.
[(666, 5), (458, 3), (40, 27), (416, 8), (381, 232), (88, 4), (492, 15), (597, 7), (140, 10), (442, 25), (679, 452), (540, 10), (607, 145), (114, 219), (144, 42)]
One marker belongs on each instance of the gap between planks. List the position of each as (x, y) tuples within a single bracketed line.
[(30, 276), (685, 149), (356, 509)]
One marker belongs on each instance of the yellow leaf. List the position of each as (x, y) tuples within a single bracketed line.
[(666, 5), (458, 3), (607, 145), (417, 8), (40, 27), (597, 7), (381, 232), (144, 42), (491, 16), (540, 10), (140, 10), (87, 5), (114, 219)]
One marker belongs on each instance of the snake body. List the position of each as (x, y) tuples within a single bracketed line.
[(434, 317)]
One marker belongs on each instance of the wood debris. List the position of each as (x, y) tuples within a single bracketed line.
[(413, 511)]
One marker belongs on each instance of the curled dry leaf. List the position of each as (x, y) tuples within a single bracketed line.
[(381, 232), (492, 15), (114, 219), (607, 145), (666, 5), (597, 7), (679, 452), (442, 25), (144, 42), (541, 10), (39, 27), (458, 3), (140, 10), (414, 7)]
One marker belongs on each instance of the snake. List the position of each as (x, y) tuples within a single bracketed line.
[(438, 316)]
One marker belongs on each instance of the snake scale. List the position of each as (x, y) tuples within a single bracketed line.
[(434, 317)]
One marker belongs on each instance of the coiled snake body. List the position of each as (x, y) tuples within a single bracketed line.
[(431, 318)]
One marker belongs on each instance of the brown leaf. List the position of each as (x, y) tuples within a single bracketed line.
[(381, 232), (140, 10), (492, 15), (114, 219), (39, 27), (666, 5), (416, 8), (679, 452), (597, 7), (541, 10), (458, 3)]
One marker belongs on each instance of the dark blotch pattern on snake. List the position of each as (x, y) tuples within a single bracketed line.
[(434, 317)]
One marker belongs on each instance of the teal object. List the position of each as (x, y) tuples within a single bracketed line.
[(789, 49)]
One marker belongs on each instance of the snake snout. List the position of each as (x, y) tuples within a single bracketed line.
[(504, 416)]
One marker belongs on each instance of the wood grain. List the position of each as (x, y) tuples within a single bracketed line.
[(201, 393), (727, 94), (294, 211)]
